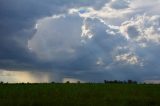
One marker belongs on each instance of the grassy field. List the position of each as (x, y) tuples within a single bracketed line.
[(79, 95)]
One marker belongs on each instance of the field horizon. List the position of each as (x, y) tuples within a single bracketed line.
[(78, 94)]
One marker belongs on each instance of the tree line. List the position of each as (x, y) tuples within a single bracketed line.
[(105, 82), (120, 82)]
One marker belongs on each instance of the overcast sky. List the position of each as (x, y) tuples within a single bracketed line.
[(86, 40)]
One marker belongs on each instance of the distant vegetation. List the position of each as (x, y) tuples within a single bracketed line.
[(105, 81), (80, 94), (120, 82)]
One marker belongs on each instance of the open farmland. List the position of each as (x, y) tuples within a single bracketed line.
[(79, 95)]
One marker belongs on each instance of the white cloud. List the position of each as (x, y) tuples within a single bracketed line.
[(142, 29), (86, 31), (56, 37), (128, 58), (105, 12)]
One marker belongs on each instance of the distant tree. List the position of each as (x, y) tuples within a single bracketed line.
[(115, 81), (1, 82), (78, 82), (105, 81), (23, 83), (67, 82), (52, 82), (124, 82), (129, 81), (135, 82)]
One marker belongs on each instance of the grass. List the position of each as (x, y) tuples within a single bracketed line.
[(79, 95)]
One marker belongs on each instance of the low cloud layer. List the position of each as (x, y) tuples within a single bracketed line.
[(85, 40)]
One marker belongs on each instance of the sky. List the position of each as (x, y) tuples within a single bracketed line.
[(79, 40)]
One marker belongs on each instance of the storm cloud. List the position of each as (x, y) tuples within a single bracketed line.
[(85, 40)]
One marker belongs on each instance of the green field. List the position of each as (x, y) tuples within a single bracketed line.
[(79, 95)]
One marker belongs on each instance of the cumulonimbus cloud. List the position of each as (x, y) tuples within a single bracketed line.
[(90, 41)]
